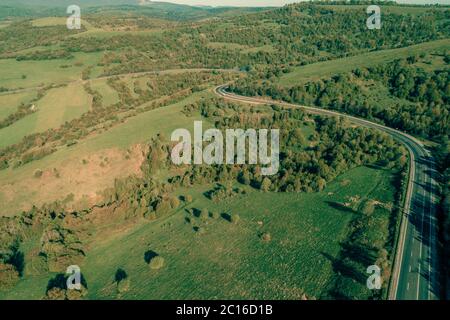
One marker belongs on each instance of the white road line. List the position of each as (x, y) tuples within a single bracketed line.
[(407, 286), (431, 233), (421, 240), (409, 268)]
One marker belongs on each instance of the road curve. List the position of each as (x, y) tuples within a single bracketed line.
[(415, 270)]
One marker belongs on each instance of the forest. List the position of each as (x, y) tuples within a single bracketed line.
[(420, 107), (308, 163)]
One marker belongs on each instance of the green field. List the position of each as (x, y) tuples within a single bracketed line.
[(10, 102), (20, 190), (110, 96), (230, 261), (55, 108), (319, 70), (39, 73)]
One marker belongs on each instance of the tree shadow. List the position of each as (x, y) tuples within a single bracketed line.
[(226, 216), (342, 267), (149, 255), (60, 282), (120, 275), (18, 261), (359, 254), (339, 206)]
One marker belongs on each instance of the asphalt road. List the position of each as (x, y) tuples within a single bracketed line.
[(414, 275)]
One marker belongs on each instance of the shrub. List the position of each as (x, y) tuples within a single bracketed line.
[(214, 214), (57, 289), (123, 286), (76, 294), (174, 202), (266, 237), (188, 198), (368, 207), (156, 263), (265, 184), (55, 294), (234, 218), (38, 173), (199, 230), (120, 275), (8, 276), (204, 214)]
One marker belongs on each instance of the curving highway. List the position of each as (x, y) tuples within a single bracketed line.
[(415, 270)]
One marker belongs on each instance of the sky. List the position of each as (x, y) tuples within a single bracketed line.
[(262, 3)]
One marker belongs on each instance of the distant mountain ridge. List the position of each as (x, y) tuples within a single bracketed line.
[(163, 10), (61, 3)]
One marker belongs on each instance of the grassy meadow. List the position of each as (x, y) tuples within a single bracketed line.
[(320, 70), (226, 260), (26, 74), (54, 109), (10, 102)]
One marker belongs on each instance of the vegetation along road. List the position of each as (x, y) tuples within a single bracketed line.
[(415, 271)]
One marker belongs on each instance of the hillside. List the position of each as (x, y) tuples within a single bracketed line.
[(87, 177)]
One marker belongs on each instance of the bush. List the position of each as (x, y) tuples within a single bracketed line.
[(38, 173), (199, 230), (204, 214), (123, 286), (234, 218), (120, 275), (55, 294), (76, 294), (188, 198), (8, 276), (156, 263), (266, 237), (174, 202), (214, 214)]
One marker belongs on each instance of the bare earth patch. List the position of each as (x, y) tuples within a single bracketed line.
[(77, 179)]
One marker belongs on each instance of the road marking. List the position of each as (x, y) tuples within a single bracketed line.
[(407, 286), (421, 242), (430, 279), (409, 268)]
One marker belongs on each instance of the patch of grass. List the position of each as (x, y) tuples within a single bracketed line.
[(110, 96), (44, 72), (10, 102), (55, 108)]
